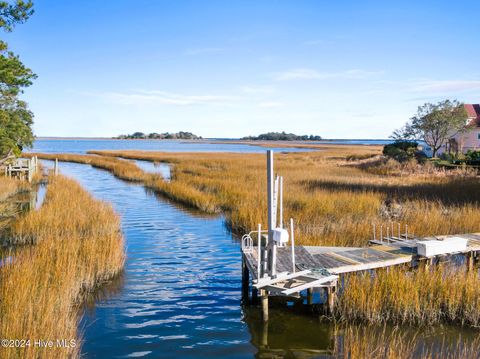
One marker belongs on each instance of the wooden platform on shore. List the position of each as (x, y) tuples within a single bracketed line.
[(22, 168)]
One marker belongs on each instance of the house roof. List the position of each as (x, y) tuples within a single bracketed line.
[(473, 111)]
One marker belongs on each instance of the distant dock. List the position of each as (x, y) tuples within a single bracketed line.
[(22, 168)]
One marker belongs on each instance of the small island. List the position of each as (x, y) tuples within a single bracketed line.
[(159, 136), (282, 136)]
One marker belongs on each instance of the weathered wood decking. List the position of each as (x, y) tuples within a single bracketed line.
[(339, 260)]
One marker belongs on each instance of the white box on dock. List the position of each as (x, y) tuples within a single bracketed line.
[(280, 235), (445, 246)]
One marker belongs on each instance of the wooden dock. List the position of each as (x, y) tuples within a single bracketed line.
[(321, 267), (22, 168), (273, 265)]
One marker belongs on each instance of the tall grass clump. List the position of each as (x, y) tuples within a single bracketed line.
[(401, 296), (8, 187), (76, 245), (373, 342)]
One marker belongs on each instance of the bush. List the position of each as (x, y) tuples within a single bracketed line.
[(401, 151), (472, 157)]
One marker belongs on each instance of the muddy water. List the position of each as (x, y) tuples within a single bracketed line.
[(180, 293)]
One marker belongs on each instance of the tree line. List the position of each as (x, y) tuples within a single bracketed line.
[(282, 136), (16, 119), (160, 136)]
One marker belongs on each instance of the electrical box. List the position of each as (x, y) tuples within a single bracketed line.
[(445, 246), (280, 236)]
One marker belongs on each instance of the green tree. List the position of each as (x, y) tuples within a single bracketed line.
[(15, 118), (434, 124)]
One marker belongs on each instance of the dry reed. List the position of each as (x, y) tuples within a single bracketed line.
[(359, 342), (333, 202), (78, 245), (401, 296)]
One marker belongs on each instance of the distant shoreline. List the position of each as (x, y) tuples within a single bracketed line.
[(207, 139)]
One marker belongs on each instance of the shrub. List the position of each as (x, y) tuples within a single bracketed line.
[(401, 150), (472, 157)]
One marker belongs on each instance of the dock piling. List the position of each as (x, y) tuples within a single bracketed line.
[(310, 296), (469, 259), (245, 280), (264, 299), (331, 297)]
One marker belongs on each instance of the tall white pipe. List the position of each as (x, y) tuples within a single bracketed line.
[(270, 186), (259, 251), (281, 202), (271, 221), (293, 245)]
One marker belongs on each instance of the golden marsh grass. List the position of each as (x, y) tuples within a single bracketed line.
[(77, 246), (401, 296), (332, 201)]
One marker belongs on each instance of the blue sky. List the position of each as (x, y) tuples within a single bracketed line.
[(339, 69)]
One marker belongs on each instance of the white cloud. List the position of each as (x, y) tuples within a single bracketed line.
[(312, 74), (445, 85), (270, 104), (164, 98)]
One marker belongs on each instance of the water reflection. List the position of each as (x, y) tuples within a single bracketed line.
[(163, 169)]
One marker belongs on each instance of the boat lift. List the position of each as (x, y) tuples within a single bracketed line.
[(268, 276)]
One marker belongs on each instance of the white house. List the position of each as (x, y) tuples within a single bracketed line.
[(469, 139)]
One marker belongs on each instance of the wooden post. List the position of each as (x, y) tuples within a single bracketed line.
[(245, 280), (331, 296), (254, 295), (55, 168), (310, 296), (264, 298), (265, 335), (469, 261)]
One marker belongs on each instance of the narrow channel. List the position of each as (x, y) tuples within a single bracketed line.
[(180, 293)]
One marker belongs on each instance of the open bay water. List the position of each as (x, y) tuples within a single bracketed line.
[(81, 146)]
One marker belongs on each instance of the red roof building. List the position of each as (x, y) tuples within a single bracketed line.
[(473, 111)]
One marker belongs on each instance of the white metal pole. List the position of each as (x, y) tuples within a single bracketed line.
[(270, 194), (281, 202), (293, 245), (275, 202), (259, 251), (270, 186)]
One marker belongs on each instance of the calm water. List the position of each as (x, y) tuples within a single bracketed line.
[(163, 169), (83, 145)]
